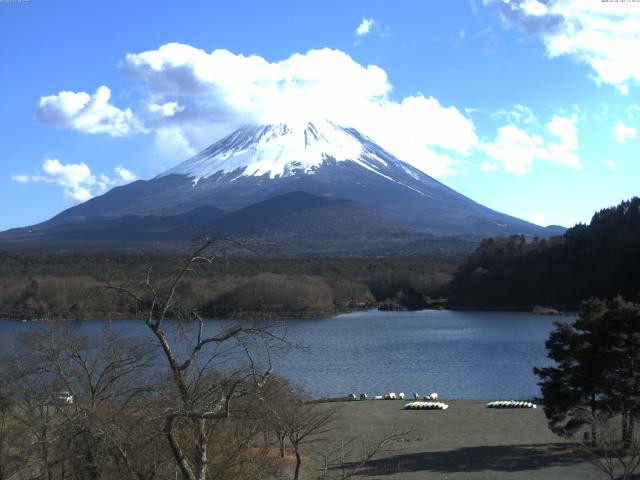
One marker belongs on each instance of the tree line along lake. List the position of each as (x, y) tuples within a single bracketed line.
[(459, 354)]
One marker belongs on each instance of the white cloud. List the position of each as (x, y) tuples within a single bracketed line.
[(194, 97), (126, 176), (488, 167), (416, 128), (603, 35), (87, 113), (516, 149), (223, 87), (611, 164), (519, 114), (534, 8), (621, 132), (370, 26), (168, 109), (365, 26), (172, 143), (76, 178), (537, 218), (218, 91), (563, 152)]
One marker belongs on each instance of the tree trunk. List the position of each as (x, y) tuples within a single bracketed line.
[(2, 437), (201, 449), (625, 429), (628, 423), (178, 455), (91, 466), (281, 441), (594, 430), (298, 463), (45, 452)]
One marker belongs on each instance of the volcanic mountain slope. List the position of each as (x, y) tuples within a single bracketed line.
[(294, 214), (258, 163)]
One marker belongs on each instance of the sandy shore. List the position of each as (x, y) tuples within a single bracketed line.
[(467, 441)]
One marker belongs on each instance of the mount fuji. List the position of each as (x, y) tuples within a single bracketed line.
[(308, 179)]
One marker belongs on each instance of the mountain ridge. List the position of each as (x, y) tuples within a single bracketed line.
[(325, 160)]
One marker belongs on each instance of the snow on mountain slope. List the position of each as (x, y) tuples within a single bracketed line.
[(286, 149), (323, 159)]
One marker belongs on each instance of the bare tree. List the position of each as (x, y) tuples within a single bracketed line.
[(71, 394), (10, 438), (31, 414), (290, 419), (305, 424), (275, 396), (5, 405), (188, 403), (346, 458), (615, 454), (199, 395)]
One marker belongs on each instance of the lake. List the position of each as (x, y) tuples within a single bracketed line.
[(460, 355)]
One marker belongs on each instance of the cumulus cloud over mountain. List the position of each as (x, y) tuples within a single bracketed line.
[(87, 113), (78, 182), (193, 97)]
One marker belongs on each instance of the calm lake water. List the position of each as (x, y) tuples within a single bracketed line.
[(460, 355)]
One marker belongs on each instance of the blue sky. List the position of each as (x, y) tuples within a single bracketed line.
[(529, 107)]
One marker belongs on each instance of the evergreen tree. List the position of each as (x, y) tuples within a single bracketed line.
[(597, 371), (601, 259)]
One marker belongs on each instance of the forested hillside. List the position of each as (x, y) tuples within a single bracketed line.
[(601, 259), (66, 283)]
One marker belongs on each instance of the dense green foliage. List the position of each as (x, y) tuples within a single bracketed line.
[(597, 260), (597, 368)]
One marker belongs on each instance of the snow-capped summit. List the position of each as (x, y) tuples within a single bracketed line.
[(285, 149), (266, 170)]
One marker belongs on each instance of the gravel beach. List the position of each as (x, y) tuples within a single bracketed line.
[(466, 441)]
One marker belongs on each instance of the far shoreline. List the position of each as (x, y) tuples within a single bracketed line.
[(283, 316)]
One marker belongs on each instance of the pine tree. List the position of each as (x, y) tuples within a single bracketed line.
[(597, 371)]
